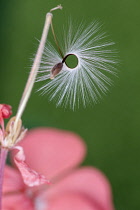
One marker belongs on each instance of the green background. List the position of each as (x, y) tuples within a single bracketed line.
[(111, 128)]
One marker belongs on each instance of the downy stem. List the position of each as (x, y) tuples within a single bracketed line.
[(35, 67)]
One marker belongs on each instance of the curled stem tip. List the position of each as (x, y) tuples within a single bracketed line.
[(55, 8)]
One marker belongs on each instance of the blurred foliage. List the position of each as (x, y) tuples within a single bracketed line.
[(111, 128)]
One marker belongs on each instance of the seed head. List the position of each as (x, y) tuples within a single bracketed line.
[(90, 78)]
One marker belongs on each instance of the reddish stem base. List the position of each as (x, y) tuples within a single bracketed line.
[(3, 156)]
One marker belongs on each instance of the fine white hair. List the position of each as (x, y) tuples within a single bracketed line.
[(90, 79)]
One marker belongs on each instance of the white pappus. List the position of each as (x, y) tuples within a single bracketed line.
[(90, 78)]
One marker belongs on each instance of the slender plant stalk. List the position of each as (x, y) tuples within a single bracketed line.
[(35, 67), (3, 156)]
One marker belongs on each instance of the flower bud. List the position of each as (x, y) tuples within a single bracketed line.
[(6, 110)]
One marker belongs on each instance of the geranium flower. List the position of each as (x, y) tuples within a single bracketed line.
[(56, 154), (8, 140)]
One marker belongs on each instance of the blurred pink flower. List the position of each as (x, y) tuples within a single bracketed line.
[(56, 154)]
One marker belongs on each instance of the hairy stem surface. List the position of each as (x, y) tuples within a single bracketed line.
[(34, 69)]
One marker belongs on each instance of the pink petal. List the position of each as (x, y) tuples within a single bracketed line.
[(72, 201), (12, 180), (16, 202), (87, 181), (51, 151), (30, 177)]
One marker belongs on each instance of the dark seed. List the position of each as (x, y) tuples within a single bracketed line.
[(56, 69)]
